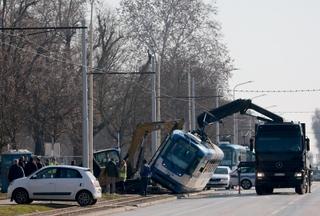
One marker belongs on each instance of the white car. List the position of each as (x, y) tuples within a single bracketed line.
[(61, 182), (220, 178)]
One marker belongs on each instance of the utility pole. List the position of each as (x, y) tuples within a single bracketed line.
[(91, 90), (158, 67), (189, 100), (217, 123), (85, 141), (154, 134), (193, 125)]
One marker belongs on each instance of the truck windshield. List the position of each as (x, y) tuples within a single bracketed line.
[(279, 140)]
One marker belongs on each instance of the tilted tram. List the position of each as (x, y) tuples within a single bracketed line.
[(185, 163)]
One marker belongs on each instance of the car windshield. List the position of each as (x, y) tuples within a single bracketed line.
[(247, 169), (221, 170)]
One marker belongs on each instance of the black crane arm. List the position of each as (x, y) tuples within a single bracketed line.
[(240, 105)]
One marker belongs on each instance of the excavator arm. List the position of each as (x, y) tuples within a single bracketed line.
[(240, 105), (135, 152)]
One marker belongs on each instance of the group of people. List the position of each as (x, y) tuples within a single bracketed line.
[(21, 167), (118, 173)]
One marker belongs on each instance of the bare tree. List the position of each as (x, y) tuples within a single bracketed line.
[(316, 126), (116, 94), (187, 38)]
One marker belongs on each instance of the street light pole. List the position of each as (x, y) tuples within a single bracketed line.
[(218, 91), (90, 89), (235, 126)]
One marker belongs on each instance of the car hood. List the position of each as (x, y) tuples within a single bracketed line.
[(17, 181), (215, 176)]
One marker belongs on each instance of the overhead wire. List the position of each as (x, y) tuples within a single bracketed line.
[(184, 99)]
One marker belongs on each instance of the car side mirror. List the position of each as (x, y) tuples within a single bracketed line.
[(34, 177), (308, 144), (251, 144)]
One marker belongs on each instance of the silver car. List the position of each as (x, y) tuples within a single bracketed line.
[(220, 178), (247, 177)]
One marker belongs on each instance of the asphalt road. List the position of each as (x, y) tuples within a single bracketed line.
[(284, 202)]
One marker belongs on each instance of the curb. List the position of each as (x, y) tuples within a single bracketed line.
[(157, 202)]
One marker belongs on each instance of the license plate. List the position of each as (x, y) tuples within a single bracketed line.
[(279, 174)]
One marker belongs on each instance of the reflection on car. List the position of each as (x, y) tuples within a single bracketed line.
[(247, 175), (67, 183), (220, 178)]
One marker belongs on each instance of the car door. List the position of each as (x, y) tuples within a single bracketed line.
[(248, 173), (41, 185), (69, 183)]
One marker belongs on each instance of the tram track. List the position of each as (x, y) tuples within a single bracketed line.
[(123, 203)]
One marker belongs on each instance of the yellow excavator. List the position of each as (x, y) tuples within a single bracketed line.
[(135, 154)]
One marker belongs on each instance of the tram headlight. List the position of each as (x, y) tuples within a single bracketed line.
[(260, 175)]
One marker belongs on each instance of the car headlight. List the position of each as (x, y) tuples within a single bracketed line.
[(260, 174)]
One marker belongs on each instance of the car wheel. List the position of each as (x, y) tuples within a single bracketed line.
[(21, 196), (84, 198), (94, 201), (246, 184)]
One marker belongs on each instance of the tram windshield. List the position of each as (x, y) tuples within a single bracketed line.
[(182, 155)]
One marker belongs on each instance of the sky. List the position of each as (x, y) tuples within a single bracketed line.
[(276, 45)]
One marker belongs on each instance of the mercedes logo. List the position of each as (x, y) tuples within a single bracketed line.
[(279, 164)]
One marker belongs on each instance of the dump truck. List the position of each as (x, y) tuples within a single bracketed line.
[(282, 149)]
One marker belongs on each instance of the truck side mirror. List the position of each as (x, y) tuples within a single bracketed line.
[(308, 144), (251, 144)]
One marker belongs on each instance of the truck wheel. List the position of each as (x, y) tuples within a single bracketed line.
[(269, 190), (300, 189), (260, 190)]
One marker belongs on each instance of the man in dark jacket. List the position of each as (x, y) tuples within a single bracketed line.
[(15, 171), (30, 167), (112, 172), (145, 174), (39, 163)]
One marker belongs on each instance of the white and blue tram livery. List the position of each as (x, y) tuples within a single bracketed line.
[(185, 163), (234, 153)]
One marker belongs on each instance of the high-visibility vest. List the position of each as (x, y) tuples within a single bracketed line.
[(123, 172)]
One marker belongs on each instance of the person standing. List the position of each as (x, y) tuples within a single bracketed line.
[(31, 167), (15, 171), (39, 163), (73, 163), (22, 162), (145, 174), (123, 175), (112, 172)]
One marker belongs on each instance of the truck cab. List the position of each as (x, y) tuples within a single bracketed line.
[(281, 151)]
